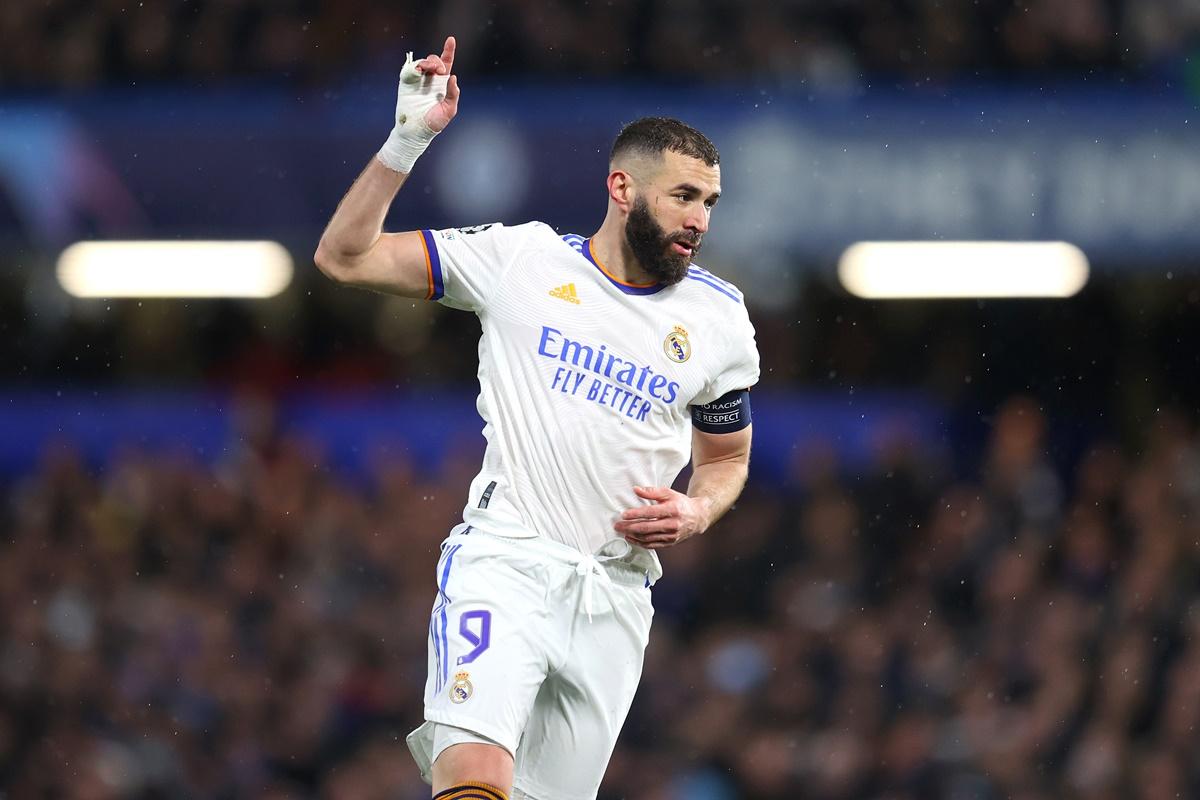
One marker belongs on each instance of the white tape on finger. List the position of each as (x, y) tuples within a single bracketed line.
[(417, 93)]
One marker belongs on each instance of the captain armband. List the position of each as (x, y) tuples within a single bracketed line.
[(727, 414)]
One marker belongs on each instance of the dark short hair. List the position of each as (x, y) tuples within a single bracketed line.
[(652, 136)]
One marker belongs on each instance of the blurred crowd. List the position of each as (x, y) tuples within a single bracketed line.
[(72, 43), (255, 628)]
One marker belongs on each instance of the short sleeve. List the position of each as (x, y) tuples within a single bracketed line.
[(465, 264), (740, 370)]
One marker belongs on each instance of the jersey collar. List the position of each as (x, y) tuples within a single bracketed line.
[(627, 288)]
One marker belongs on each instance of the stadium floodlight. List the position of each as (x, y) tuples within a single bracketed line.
[(909, 270), (175, 269)]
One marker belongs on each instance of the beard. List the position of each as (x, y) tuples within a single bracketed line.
[(651, 245)]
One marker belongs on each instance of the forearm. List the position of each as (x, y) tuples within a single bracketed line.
[(717, 480), (358, 222), (717, 485)]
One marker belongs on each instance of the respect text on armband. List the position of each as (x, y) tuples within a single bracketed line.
[(591, 372)]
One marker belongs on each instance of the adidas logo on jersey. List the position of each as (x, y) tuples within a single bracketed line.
[(566, 292)]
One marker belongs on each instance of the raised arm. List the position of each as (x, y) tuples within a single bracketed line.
[(353, 249)]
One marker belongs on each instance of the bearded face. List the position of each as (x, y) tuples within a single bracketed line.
[(665, 256)]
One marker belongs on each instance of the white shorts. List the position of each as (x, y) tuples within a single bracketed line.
[(514, 658)]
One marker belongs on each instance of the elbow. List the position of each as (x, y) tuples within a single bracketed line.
[(328, 262)]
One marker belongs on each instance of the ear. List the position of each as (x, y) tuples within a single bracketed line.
[(620, 189)]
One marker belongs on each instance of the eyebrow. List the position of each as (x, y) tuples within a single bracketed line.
[(692, 189)]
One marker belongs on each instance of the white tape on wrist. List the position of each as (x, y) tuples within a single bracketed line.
[(417, 93)]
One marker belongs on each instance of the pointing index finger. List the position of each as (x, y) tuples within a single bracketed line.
[(448, 53)]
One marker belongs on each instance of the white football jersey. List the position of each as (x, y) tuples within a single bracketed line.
[(585, 381)]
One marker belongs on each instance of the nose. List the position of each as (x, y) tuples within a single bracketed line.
[(697, 219)]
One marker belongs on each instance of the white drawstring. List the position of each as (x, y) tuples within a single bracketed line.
[(588, 567)]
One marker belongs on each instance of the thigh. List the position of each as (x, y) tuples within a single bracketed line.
[(471, 762), (579, 711), (486, 662)]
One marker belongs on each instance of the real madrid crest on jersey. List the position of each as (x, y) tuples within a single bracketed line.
[(461, 689), (676, 345)]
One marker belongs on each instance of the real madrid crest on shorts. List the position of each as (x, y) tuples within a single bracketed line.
[(460, 690), (676, 345)]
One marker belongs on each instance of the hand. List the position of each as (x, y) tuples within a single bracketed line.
[(426, 101), (439, 116), (673, 517)]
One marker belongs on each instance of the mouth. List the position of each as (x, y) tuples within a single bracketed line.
[(683, 248)]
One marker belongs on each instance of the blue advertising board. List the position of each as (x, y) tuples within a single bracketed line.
[(1114, 171)]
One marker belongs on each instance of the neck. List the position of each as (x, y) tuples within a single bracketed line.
[(614, 254)]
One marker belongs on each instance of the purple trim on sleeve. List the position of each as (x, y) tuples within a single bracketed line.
[(435, 265)]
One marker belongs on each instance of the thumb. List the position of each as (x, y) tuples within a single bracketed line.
[(450, 101), (659, 493)]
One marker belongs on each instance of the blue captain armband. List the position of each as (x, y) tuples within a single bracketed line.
[(727, 414)]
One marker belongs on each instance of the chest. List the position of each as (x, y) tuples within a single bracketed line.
[(571, 317)]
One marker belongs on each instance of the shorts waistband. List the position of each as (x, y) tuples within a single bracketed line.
[(619, 570)]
